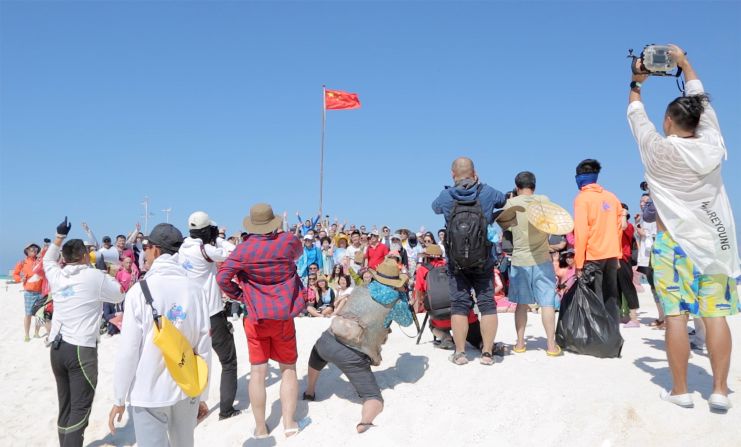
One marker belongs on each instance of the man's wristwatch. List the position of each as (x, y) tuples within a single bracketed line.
[(635, 85)]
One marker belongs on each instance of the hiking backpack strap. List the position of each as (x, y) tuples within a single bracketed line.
[(148, 299)]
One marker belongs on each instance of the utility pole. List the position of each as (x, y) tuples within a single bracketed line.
[(145, 203), (167, 212)]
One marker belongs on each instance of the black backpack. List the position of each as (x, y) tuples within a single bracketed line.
[(466, 243), (437, 299)]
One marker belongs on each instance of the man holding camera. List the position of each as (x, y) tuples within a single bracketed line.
[(695, 254), (79, 293), (198, 255)]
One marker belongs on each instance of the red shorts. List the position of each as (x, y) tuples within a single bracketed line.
[(271, 339)]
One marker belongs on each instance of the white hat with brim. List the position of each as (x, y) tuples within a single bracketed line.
[(387, 273), (549, 218), (262, 220)]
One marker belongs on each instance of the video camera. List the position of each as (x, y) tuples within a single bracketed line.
[(655, 61)]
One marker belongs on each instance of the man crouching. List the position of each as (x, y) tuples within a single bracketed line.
[(353, 341)]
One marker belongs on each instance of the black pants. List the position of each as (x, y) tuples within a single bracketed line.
[(605, 283), (626, 288), (222, 340), (76, 372)]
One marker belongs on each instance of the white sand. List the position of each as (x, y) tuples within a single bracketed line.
[(528, 399)]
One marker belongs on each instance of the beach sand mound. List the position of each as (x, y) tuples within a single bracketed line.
[(526, 400)]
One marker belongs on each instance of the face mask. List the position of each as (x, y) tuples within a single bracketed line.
[(583, 180), (396, 246)]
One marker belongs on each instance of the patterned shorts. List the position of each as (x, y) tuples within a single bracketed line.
[(682, 289), (29, 299)]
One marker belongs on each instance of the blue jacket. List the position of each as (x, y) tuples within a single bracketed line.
[(310, 256), (490, 199)]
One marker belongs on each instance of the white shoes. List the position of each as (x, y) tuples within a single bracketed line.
[(683, 400), (719, 402)]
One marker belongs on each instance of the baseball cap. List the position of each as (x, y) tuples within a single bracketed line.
[(165, 235), (106, 239), (396, 236), (308, 237), (199, 220), (374, 233)]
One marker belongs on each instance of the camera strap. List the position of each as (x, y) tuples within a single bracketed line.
[(205, 256)]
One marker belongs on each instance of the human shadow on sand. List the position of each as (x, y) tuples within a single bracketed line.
[(124, 435), (697, 378)]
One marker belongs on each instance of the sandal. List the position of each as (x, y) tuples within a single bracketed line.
[(309, 397), (459, 358), (557, 353), (290, 432), (486, 359), (364, 427), (519, 350), (656, 323)]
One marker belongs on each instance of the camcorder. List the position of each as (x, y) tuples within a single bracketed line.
[(655, 60)]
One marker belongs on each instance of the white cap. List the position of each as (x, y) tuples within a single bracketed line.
[(396, 236), (199, 220), (308, 237)]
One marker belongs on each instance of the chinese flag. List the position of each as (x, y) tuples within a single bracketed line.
[(339, 100)]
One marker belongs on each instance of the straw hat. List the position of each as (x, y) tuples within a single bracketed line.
[(549, 218), (262, 220), (359, 257), (433, 251), (387, 273), (508, 217)]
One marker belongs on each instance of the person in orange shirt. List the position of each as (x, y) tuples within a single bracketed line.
[(598, 231), (27, 273)]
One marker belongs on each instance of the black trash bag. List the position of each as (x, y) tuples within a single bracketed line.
[(585, 326)]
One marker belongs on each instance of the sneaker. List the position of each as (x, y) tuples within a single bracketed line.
[(229, 415), (632, 324), (47, 343), (683, 400), (719, 403), (699, 348)]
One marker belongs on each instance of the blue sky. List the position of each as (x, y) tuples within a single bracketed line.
[(217, 105)]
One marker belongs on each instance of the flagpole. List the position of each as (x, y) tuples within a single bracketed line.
[(321, 157)]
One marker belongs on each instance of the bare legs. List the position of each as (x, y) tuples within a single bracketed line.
[(718, 342), (547, 315), (288, 395), (459, 324), (489, 325), (27, 325)]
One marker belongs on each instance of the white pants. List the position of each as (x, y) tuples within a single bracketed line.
[(166, 426)]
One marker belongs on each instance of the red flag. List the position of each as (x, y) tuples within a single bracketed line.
[(339, 100)]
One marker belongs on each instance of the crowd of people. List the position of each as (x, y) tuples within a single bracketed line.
[(489, 258)]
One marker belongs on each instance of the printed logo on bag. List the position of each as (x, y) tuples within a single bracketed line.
[(182, 361)]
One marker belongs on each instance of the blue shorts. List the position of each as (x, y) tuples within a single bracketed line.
[(534, 284), (29, 299)]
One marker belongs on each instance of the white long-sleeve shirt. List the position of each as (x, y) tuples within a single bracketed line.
[(140, 373), (684, 177), (79, 292), (202, 271)]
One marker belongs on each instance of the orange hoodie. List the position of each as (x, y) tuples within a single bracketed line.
[(32, 277), (597, 225)]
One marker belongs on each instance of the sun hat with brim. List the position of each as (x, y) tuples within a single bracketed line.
[(387, 273), (433, 250), (549, 218), (262, 220), (507, 217)]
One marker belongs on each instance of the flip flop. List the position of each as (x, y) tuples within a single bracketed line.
[(364, 427), (557, 353), (519, 350), (291, 432)]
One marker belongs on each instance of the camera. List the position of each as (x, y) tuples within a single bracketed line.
[(655, 60)]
